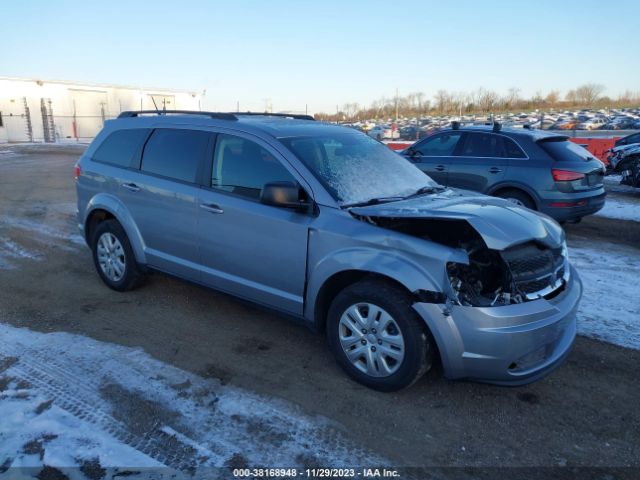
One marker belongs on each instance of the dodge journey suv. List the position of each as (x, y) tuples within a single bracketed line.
[(325, 224)]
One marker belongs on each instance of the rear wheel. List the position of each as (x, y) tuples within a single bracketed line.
[(517, 197), (377, 337), (113, 257)]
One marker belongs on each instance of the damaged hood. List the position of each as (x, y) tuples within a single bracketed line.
[(499, 222)]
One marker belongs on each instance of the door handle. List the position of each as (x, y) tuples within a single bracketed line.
[(211, 207), (132, 187), (495, 170), (440, 168)]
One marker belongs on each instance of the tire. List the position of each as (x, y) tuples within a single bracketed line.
[(417, 345), (113, 257), (518, 197)]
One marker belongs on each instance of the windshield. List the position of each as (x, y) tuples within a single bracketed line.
[(354, 168)]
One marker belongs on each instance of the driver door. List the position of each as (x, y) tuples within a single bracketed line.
[(247, 248), (434, 155)]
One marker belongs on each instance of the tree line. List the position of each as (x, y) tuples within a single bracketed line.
[(480, 101)]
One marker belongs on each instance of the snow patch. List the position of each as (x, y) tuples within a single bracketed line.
[(11, 250), (42, 230), (81, 400), (621, 209), (612, 184), (63, 439), (610, 305)]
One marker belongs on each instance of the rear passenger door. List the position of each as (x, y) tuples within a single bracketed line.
[(162, 198), (250, 249), (434, 154), (480, 162)]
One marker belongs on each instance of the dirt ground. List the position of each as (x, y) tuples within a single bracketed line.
[(584, 414)]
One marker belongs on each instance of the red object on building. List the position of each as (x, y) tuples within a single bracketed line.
[(598, 147)]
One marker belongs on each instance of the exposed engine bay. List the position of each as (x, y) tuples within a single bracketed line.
[(625, 159), (518, 274)]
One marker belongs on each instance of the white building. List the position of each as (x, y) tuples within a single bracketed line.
[(53, 111)]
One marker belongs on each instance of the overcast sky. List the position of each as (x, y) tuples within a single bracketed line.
[(323, 52)]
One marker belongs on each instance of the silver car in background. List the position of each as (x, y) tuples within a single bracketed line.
[(327, 225)]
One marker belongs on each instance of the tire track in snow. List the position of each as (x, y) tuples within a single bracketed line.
[(177, 418)]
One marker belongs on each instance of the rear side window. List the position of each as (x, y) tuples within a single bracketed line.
[(441, 145), (565, 151), (121, 147), (243, 167), (511, 149), (175, 153), (482, 145)]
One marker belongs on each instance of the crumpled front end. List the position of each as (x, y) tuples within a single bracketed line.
[(507, 309), (510, 344)]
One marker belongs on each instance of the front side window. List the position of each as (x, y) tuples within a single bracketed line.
[(441, 145), (355, 168), (243, 167), (120, 148), (175, 153)]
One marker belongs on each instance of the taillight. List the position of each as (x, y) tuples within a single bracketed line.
[(566, 175), (77, 171)]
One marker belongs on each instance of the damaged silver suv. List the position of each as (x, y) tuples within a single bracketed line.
[(327, 225)]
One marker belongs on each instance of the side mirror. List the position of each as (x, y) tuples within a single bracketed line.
[(412, 153), (284, 194)]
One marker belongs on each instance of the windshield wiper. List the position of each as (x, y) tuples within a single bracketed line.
[(425, 190), (372, 201)]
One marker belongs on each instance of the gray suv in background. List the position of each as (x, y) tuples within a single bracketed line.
[(327, 225), (539, 170)]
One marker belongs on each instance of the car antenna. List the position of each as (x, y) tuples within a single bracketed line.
[(455, 125), (497, 126)]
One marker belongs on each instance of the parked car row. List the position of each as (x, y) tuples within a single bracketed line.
[(416, 128)]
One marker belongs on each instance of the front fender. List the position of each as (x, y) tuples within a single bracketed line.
[(366, 259), (105, 201)]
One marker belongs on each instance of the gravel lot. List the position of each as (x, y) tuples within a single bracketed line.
[(584, 414)]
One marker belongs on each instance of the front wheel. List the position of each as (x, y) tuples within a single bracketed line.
[(377, 337)]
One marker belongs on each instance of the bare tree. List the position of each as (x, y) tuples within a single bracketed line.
[(512, 99), (486, 100), (552, 97), (589, 93), (480, 100), (443, 100)]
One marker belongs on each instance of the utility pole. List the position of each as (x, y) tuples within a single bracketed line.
[(396, 105)]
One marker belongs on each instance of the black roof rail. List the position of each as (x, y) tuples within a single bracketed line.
[(296, 116), (216, 115)]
